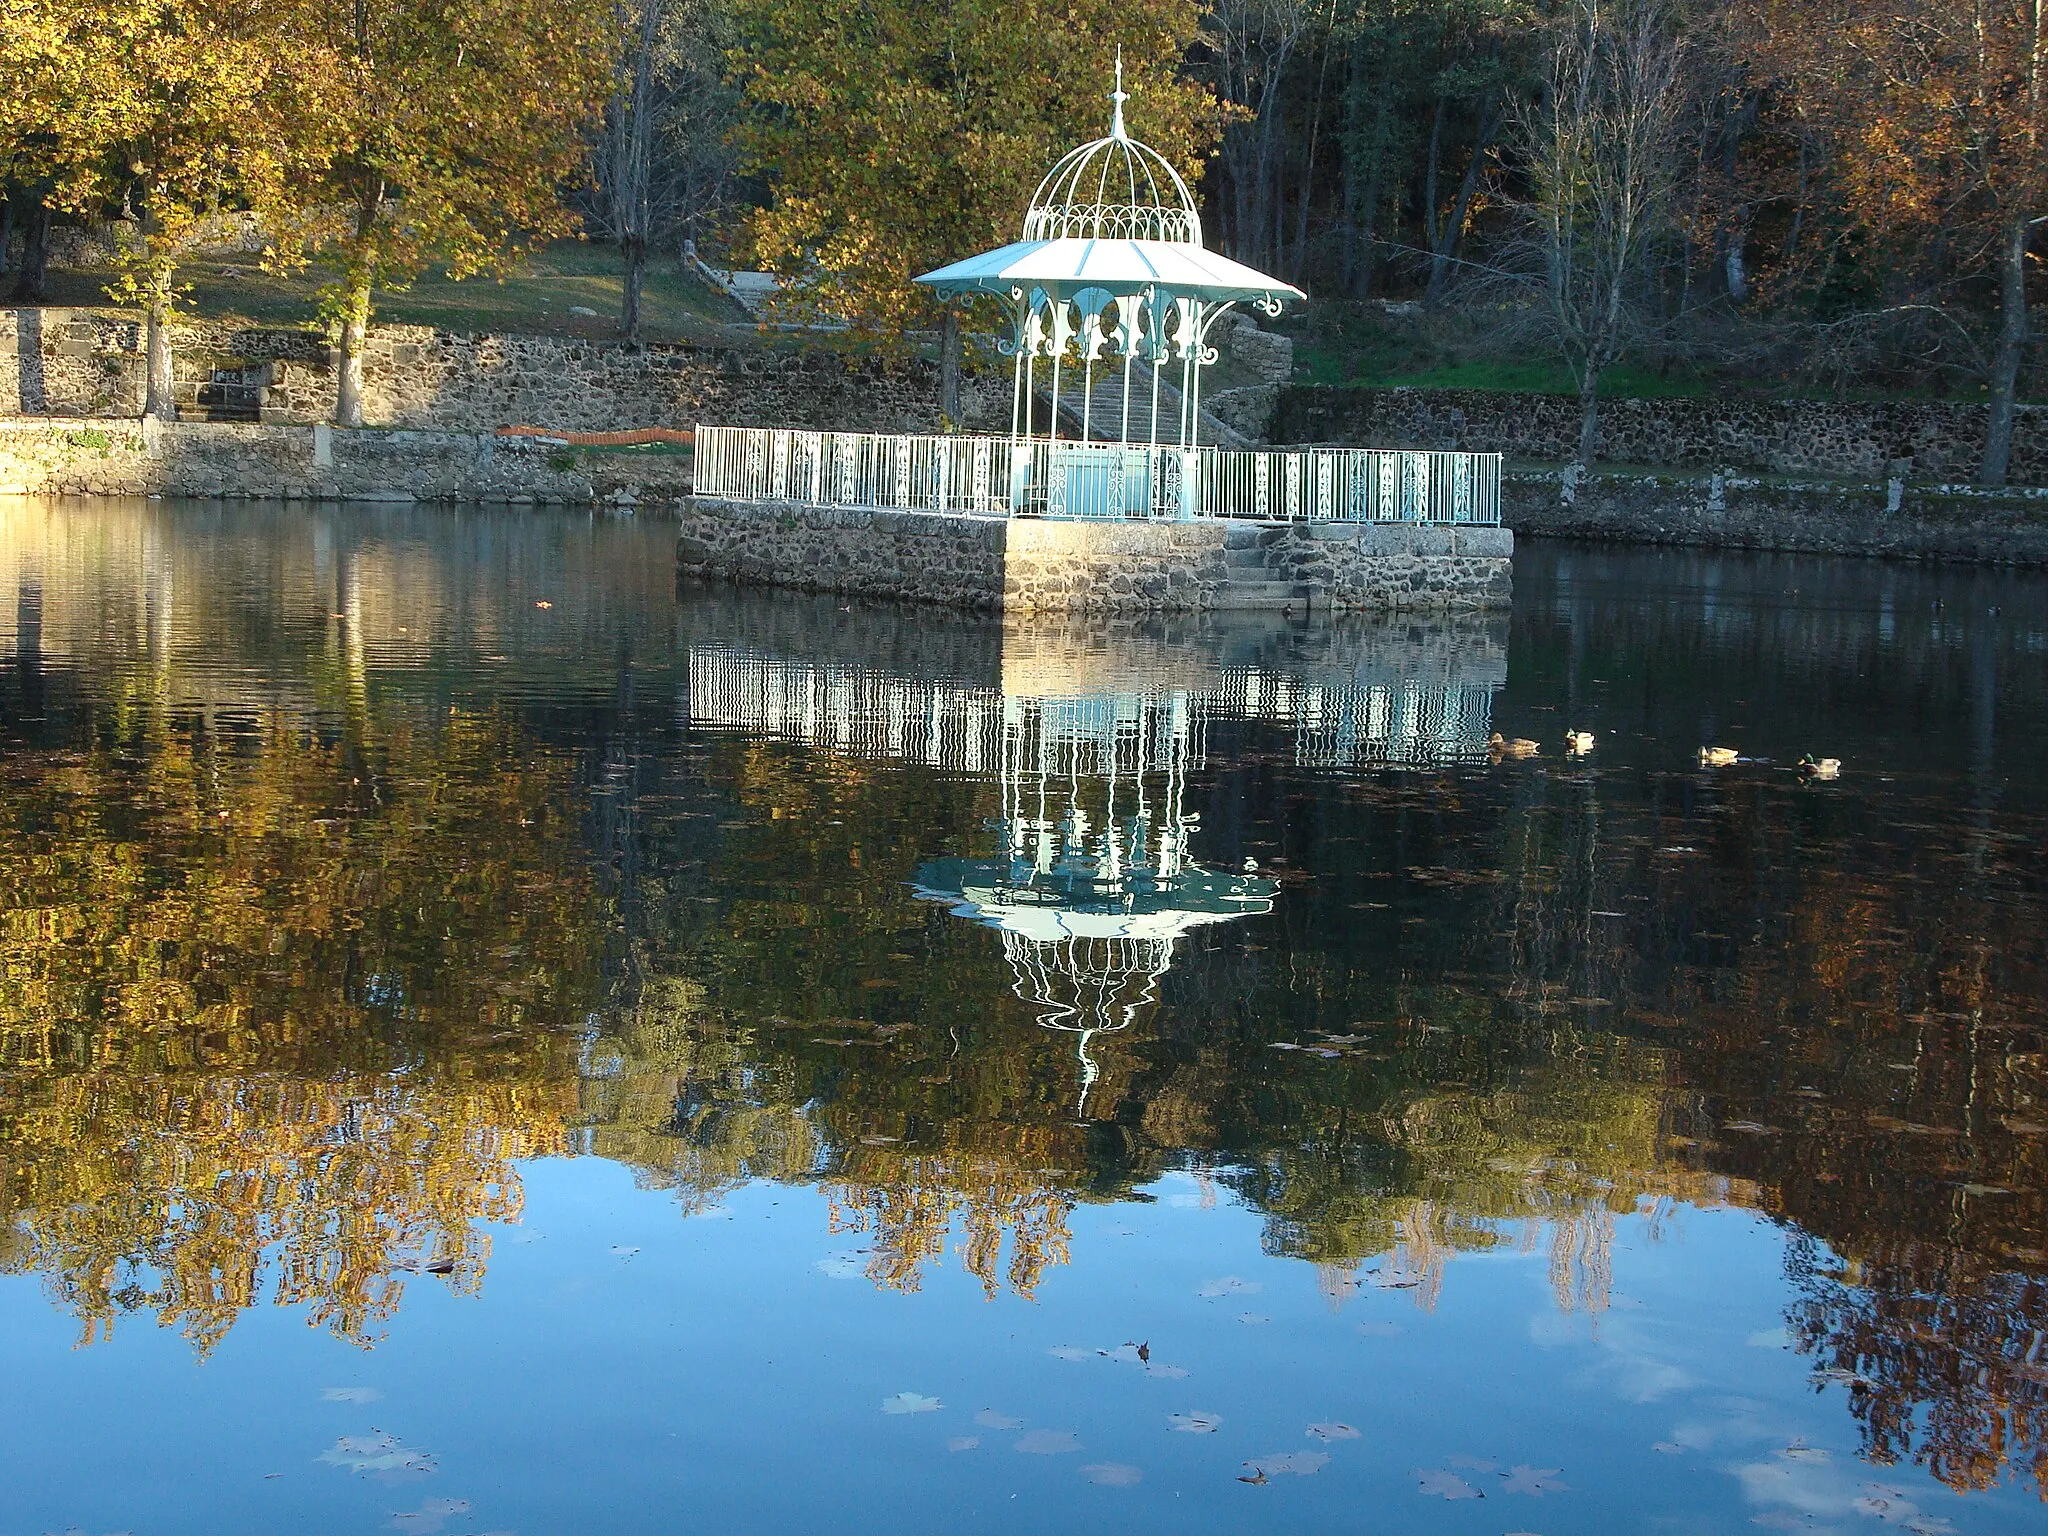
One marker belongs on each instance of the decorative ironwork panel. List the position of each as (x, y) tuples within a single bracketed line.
[(1294, 485), (1389, 473), (981, 454)]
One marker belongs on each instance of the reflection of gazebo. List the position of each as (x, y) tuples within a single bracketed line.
[(1111, 263), (1096, 888)]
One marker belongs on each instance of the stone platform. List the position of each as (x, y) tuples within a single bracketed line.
[(1044, 564)]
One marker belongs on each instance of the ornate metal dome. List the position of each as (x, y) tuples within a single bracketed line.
[(1114, 189)]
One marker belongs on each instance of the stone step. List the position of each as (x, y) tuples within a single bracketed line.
[(1263, 594)]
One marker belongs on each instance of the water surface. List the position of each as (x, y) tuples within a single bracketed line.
[(492, 1042)]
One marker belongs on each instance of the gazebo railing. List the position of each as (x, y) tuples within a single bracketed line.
[(999, 477)]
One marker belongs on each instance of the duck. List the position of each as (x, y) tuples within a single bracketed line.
[(1500, 746), (1719, 757), (1578, 743), (1820, 767)]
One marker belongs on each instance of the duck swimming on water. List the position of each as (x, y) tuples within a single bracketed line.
[(1820, 767), (1578, 743), (1501, 746), (1719, 757)]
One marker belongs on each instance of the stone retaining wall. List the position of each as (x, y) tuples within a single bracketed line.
[(1734, 512), (1929, 439), (1081, 565), (83, 362), (139, 458)]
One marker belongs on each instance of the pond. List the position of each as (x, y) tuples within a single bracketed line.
[(492, 1041)]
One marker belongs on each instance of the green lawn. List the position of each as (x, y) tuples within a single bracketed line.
[(536, 299)]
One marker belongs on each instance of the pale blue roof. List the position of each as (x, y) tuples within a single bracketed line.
[(1062, 268)]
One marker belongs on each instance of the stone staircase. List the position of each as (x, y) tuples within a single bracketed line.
[(1252, 576), (1105, 411)]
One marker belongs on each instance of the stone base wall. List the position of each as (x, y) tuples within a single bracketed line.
[(1080, 565), (1733, 512), (1928, 439), (83, 362), (139, 458), (1398, 566)]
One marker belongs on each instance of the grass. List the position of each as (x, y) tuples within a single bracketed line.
[(536, 298), (1364, 347)]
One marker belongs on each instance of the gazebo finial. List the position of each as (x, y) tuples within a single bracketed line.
[(1119, 96)]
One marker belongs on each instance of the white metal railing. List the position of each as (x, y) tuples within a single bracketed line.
[(999, 476)]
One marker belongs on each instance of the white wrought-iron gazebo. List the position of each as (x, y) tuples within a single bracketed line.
[(1111, 267)]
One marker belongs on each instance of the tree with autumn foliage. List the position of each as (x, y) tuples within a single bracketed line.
[(455, 128), (898, 136), (171, 109), (1937, 116)]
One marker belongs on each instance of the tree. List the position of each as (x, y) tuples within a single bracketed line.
[(170, 109), (455, 127), (898, 136), (1937, 113), (1602, 176), (664, 159)]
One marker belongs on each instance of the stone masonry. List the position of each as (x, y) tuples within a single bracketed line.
[(84, 362), (1082, 565), (1915, 439)]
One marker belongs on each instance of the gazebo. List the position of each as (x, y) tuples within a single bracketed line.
[(1111, 272)]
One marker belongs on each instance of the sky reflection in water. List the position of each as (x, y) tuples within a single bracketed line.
[(488, 1042)]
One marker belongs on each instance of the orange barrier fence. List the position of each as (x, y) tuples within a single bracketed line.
[(624, 439)]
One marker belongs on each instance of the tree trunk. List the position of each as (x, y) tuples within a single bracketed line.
[(636, 279), (158, 398), (1589, 413), (9, 200), (2005, 363), (949, 370), (32, 285), (355, 325), (1444, 248)]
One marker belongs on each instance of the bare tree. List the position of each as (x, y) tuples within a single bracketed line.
[(664, 164), (1250, 44), (1599, 148)]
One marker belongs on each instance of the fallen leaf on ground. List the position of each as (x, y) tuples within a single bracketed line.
[(1195, 1423), (1048, 1442), (1331, 1429), (910, 1402), (1445, 1485), (1112, 1474)]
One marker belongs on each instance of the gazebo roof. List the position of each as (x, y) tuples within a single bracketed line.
[(1113, 214), (1063, 268)]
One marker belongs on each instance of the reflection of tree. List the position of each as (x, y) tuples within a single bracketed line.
[(270, 1000), (1944, 1356)]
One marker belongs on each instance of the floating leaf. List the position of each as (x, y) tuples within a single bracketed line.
[(1229, 1285), (1445, 1485), (1112, 1474), (1379, 1330), (381, 1455), (1253, 1318), (1668, 1448), (1048, 1442), (1522, 1478), (431, 1515), (1331, 1429), (1195, 1422), (910, 1402), (849, 1265), (1166, 1372), (1473, 1463), (988, 1418), (1289, 1464), (963, 1442), (350, 1394), (1071, 1352)]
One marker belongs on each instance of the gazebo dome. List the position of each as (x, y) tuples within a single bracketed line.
[(1114, 189)]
